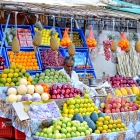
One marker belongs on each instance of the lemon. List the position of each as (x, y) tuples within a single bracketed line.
[(7, 84), (4, 75), (10, 75), (71, 111), (99, 124), (110, 126), (11, 71), (115, 122), (66, 111), (23, 71), (64, 115), (107, 118), (70, 115), (104, 131), (76, 110), (106, 122), (100, 128), (105, 127), (15, 75), (97, 132), (6, 71), (80, 110), (12, 84), (19, 67), (12, 66), (119, 120), (108, 130), (101, 119), (114, 125), (16, 70), (8, 80), (96, 108)]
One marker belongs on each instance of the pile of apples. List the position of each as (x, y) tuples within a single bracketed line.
[(121, 81), (60, 91), (115, 105)]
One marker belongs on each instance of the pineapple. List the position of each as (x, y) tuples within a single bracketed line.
[(15, 42), (114, 44), (38, 36), (71, 50), (53, 42), (137, 44)]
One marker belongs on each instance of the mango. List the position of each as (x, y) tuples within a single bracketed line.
[(135, 90), (123, 91), (129, 91), (117, 92)]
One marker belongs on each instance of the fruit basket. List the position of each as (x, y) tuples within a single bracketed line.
[(89, 74), (24, 34), (46, 35), (26, 58), (78, 37), (44, 58), (80, 59), (3, 60)]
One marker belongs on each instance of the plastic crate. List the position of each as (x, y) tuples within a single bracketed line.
[(62, 51), (28, 50), (33, 73), (19, 34), (6, 131), (84, 53), (49, 27), (4, 55), (19, 135), (81, 36)]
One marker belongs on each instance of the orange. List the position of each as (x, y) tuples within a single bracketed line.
[(34, 67), (23, 64), (11, 56), (30, 68), (35, 64), (25, 60), (31, 64), (37, 67), (22, 57), (25, 57), (21, 60), (26, 67), (33, 56)]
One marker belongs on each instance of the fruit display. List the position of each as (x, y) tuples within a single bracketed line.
[(65, 128), (26, 92), (51, 59), (107, 44), (50, 76), (76, 38), (11, 76), (60, 91), (116, 104), (121, 81), (113, 47), (2, 63), (83, 106), (24, 36), (46, 36), (27, 60)]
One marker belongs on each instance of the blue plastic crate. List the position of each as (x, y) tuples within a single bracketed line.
[(81, 35), (28, 50), (18, 27), (33, 73), (82, 58), (48, 27), (81, 72), (4, 55), (62, 51)]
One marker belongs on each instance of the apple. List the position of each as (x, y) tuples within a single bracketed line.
[(68, 129), (82, 134), (87, 132), (117, 110), (63, 136), (102, 105), (107, 111), (73, 134), (114, 106), (67, 91), (63, 130), (37, 133), (50, 135), (68, 135), (44, 130), (77, 134), (54, 91), (58, 96), (134, 108), (113, 111), (53, 96)]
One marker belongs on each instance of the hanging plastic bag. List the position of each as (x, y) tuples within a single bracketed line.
[(66, 41), (91, 42), (123, 43)]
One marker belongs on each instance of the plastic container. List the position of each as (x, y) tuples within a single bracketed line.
[(28, 50), (80, 59), (62, 51), (5, 56), (77, 33), (6, 131), (33, 73), (48, 27), (19, 135), (20, 33)]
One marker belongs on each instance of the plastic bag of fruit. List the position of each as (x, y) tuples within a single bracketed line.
[(66, 41), (123, 43), (91, 42)]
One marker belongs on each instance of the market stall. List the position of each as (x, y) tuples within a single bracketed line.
[(39, 102)]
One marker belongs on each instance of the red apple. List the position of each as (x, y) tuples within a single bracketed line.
[(107, 111), (58, 96), (126, 109), (117, 110), (54, 92), (114, 106), (134, 108), (122, 109), (102, 110), (113, 111), (67, 91), (131, 104)]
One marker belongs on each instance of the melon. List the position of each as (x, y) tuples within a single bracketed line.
[(19, 98), (91, 124), (94, 117), (30, 89), (22, 89), (78, 117), (12, 98), (45, 97), (39, 89), (12, 91), (23, 81)]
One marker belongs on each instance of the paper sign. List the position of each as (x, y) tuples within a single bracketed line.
[(19, 108)]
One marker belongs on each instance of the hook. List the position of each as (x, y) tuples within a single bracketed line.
[(53, 17), (36, 17)]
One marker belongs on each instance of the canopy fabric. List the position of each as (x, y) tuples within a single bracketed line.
[(135, 8)]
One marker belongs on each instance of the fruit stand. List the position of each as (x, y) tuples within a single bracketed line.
[(39, 102)]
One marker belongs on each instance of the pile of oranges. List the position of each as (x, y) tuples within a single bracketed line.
[(26, 59)]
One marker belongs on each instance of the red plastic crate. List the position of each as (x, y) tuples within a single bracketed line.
[(6, 131), (19, 135)]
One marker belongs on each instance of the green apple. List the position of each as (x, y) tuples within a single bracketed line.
[(79, 129), (68, 124), (71, 106), (63, 130), (64, 121), (73, 134), (63, 136), (44, 130), (56, 131), (50, 135), (68, 135), (37, 133), (59, 123), (45, 135), (41, 134), (117, 129), (77, 101), (73, 129), (83, 129), (58, 127), (64, 125), (49, 130), (58, 136), (90, 130), (77, 134), (82, 134), (87, 132), (76, 105), (68, 129)]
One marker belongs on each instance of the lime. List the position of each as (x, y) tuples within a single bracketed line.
[(6, 71), (3, 80), (15, 75), (17, 83), (27, 74), (10, 75), (12, 84), (20, 74), (8, 80), (1, 85), (14, 80), (7, 84)]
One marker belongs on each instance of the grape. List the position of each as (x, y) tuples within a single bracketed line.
[(107, 44)]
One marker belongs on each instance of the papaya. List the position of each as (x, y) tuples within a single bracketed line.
[(78, 117), (91, 124), (94, 117), (86, 117), (101, 115)]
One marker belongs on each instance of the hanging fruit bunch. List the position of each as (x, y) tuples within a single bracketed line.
[(107, 44), (54, 44), (137, 43), (91, 42), (130, 38), (71, 50), (123, 43), (113, 47), (38, 35), (66, 41)]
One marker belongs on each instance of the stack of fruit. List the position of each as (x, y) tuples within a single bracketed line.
[(11, 76), (137, 100), (51, 59), (2, 61), (50, 76), (65, 128), (76, 38), (120, 81), (27, 60), (26, 92), (115, 105), (83, 106), (46, 36), (60, 91)]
